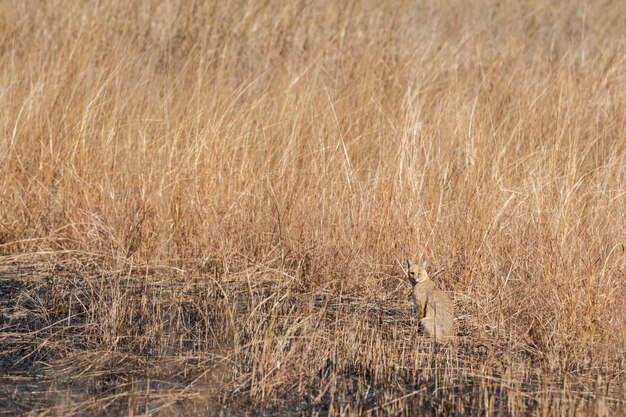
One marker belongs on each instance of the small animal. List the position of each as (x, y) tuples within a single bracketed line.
[(433, 306)]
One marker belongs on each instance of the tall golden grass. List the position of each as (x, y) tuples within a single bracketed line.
[(234, 182)]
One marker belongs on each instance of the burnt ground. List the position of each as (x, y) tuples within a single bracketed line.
[(29, 339), (52, 357), (58, 356)]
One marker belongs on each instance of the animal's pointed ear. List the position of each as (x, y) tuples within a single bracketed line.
[(425, 264), (410, 274)]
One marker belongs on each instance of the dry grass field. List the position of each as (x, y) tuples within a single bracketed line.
[(203, 205)]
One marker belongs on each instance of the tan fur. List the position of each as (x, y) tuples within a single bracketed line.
[(433, 306)]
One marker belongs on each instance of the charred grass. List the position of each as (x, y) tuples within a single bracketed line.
[(168, 342)]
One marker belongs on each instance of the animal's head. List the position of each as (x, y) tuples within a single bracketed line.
[(416, 273)]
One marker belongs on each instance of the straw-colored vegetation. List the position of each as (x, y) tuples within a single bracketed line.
[(203, 205)]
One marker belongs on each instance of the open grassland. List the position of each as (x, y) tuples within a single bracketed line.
[(202, 204)]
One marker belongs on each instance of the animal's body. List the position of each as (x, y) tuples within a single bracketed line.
[(434, 308)]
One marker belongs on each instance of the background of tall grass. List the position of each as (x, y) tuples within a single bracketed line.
[(233, 182)]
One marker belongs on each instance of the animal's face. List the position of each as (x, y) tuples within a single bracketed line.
[(416, 274)]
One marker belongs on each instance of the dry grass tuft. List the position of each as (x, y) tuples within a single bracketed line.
[(202, 204)]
